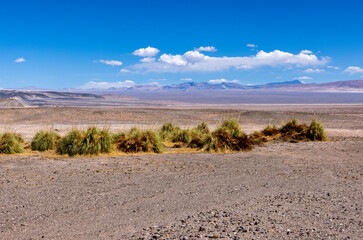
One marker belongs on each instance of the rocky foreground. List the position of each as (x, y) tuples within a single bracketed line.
[(305, 190)]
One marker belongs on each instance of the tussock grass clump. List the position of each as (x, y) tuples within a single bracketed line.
[(168, 131), (231, 126), (44, 140), (316, 131), (90, 142), (270, 130), (11, 143), (203, 128), (292, 131), (257, 138), (182, 135), (228, 137), (140, 141)]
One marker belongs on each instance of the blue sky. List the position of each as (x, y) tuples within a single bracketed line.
[(68, 44)]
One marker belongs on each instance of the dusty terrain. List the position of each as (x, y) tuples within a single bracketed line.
[(308, 190)]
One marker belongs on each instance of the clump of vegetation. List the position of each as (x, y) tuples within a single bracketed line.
[(203, 128), (316, 131), (139, 141), (257, 138), (182, 135), (90, 142), (228, 137), (270, 130), (11, 143), (292, 131), (44, 140), (168, 131), (231, 126)]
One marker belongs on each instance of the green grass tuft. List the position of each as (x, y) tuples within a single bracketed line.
[(316, 131), (11, 143), (91, 142), (139, 141), (44, 140)]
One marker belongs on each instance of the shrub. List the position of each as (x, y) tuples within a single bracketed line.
[(44, 140), (222, 140), (203, 128), (168, 130), (316, 131), (90, 142), (270, 130), (293, 131), (231, 126), (182, 136), (71, 144), (257, 138), (11, 143), (139, 141), (197, 138)]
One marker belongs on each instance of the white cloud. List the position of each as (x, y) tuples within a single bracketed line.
[(251, 45), (124, 70), (307, 51), (353, 70), (158, 79), (206, 49), (154, 83), (222, 80), (314, 70), (186, 79), (332, 67), (303, 78), (194, 61), (111, 62), (177, 60), (20, 60), (106, 85), (147, 60), (146, 52)]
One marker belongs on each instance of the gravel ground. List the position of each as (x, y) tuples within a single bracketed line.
[(281, 191)]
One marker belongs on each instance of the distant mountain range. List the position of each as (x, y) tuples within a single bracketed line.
[(296, 85)]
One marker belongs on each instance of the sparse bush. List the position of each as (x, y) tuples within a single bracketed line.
[(228, 137), (257, 138), (11, 143), (168, 131), (90, 142), (292, 131), (71, 144), (270, 130), (139, 141), (182, 136), (231, 126), (316, 131), (203, 128), (44, 140)]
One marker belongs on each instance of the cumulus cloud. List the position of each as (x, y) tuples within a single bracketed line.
[(146, 52), (20, 60), (222, 80), (303, 78), (206, 49), (251, 45), (106, 85), (111, 62), (124, 70), (195, 61), (353, 70), (186, 79), (147, 60), (314, 70), (307, 51)]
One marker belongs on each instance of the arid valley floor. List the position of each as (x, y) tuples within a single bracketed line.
[(282, 190)]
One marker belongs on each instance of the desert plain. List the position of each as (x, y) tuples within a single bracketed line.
[(279, 190)]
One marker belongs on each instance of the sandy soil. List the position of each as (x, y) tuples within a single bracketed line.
[(306, 190)]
